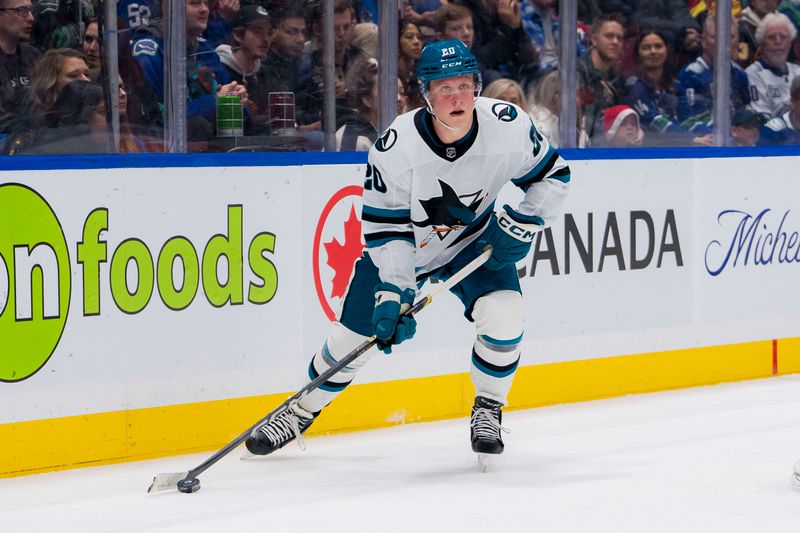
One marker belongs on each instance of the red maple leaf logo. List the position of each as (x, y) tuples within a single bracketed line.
[(342, 257)]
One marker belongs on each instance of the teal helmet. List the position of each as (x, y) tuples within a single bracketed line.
[(446, 59)]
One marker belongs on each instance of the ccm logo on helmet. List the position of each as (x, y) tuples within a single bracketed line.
[(454, 64)]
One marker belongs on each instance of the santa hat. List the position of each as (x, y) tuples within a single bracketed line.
[(613, 117)]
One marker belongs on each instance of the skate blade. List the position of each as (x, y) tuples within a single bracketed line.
[(247, 455), (484, 460), (796, 481)]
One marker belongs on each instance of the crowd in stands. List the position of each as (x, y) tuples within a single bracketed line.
[(645, 70)]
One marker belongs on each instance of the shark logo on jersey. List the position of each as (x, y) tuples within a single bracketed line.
[(386, 140), (504, 112), (447, 213)]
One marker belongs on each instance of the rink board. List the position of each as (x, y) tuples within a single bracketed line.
[(163, 310)]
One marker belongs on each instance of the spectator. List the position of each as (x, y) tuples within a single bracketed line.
[(16, 61), (365, 36), (423, 13), (91, 45), (544, 111), (454, 21), (134, 13), (602, 84), (49, 75), (282, 64), (786, 128), (75, 124), (506, 90), (310, 82), (252, 36), (501, 46), (770, 76), (751, 17), (222, 14), (410, 46), (670, 17), (745, 125), (542, 27), (58, 24), (696, 78), (653, 92), (206, 76), (129, 143), (621, 127), (360, 130)]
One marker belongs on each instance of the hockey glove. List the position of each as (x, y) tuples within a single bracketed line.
[(510, 234), (391, 326)]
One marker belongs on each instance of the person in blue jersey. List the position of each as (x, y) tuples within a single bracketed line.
[(432, 180), (205, 74), (134, 13), (695, 104), (653, 91), (784, 129)]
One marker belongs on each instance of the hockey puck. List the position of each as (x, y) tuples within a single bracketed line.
[(189, 485)]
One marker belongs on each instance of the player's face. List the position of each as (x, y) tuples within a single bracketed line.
[(91, 46), (12, 24), (196, 17), (71, 69), (652, 51), (608, 41), (453, 100), (290, 37), (257, 38), (461, 29)]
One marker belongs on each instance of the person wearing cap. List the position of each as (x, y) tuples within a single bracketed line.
[(432, 180), (251, 36), (769, 77), (784, 129), (745, 126), (621, 127)]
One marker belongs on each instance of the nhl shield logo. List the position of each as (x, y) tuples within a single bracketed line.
[(450, 152)]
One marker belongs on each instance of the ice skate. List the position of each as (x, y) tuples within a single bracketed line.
[(796, 476), (486, 430), (288, 425)]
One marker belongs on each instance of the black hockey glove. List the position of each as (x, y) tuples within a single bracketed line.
[(510, 234), (391, 327)]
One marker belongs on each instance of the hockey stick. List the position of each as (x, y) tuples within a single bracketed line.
[(188, 482)]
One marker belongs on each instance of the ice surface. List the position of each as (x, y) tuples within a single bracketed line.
[(711, 459)]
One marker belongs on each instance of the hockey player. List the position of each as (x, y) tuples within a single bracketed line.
[(431, 183)]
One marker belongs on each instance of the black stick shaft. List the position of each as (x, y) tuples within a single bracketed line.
[(349, 358)]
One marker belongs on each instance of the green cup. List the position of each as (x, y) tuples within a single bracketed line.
[(230, 116)]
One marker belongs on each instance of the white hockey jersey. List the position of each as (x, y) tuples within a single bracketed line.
[(769, 88), (425, 201)]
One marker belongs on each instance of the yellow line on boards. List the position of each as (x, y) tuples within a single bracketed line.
[(105, 438)]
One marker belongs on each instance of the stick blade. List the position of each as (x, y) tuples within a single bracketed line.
[(164, 482)]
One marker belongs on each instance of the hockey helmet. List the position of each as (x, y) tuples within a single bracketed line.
[(446, 59)]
